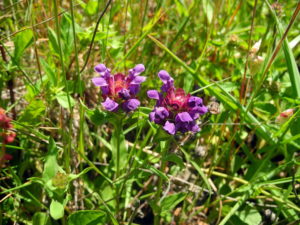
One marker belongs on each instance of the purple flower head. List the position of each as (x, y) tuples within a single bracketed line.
[(119, 91), (175, 110)]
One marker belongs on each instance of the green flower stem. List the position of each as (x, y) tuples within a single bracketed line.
[(118, 131), (164, 145)]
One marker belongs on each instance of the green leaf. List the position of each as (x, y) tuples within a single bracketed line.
[(188, 82), (292, 100), (56, 209), (295, 128), (67, 37), (87, 217), (22, 41), (175, 159), (62, 99), (50, 72), (98, 117), (208, 9), (171, 201), (181, 7), (266, 108), (53, 40), (91, 7), (51, 167), (161, 135), (249, 216), (33, 113), (41, 218)]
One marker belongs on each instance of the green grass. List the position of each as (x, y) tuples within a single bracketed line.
[(75, 163)]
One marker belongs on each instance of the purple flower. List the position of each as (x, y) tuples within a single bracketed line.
[(175, 110), (109, 104), (184, 122), (166, 79), (170, 127), (131, 105), (119, 91), (158, 115)]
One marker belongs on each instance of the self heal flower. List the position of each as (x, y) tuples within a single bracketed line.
[(175, 110), (119, 91)]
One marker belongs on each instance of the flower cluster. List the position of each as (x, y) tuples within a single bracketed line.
[(175, 110), (119, 91), (5, 125)]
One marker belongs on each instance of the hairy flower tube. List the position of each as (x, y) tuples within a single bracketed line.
[(175, 110), (119, 91)]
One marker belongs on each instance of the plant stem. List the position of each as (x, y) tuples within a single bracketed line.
[(118, 132), (77, 83), (67, 150), (164, 149)]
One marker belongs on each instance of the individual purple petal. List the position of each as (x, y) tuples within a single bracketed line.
[(100, 68), (170, 128), (131, 105), (197, 111), (105, 90), (182, 126), (134, 88), (152, 116), (165, 77), (161, 112), (138, 80), (159, 115), (154, 94), (167, 86), (99, 81), (194, 114), (138, 69), (201, 109), (124, 94), (110, 105), (183, 117), (194, 128), (195, 101)]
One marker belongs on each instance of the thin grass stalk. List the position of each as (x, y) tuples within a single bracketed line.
[(94, 35), (144, 15), (67, 151), (124, 34), (78, 75), (244, 84), (35, 45)]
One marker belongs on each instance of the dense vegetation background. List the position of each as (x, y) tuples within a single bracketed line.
[(241, 57)]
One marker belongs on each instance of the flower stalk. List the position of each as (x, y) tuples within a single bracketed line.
[(164, 145)]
